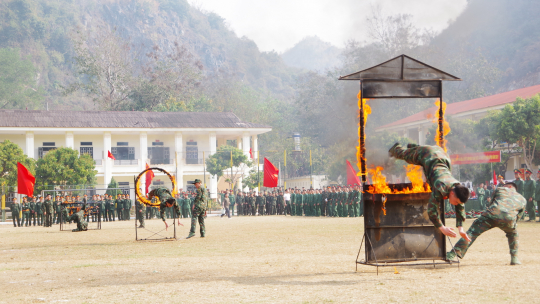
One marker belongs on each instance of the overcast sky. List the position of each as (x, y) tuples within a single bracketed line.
[(279, 24)]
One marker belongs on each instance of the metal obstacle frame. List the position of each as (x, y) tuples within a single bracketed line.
[(399, 77)]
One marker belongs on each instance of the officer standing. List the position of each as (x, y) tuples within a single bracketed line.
[(232, 200), (39, 211), (48, 211), (518, 181), (25, 212), (199, 210), (239, 203), (528, 194), (56, 209), (15, 210), (32, 206), (140, 210), (481, 193)]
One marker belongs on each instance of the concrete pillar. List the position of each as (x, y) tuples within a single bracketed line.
[(239, 142), (107, 162), (516, 162), (213, 179), (246, 145), (255, 145), (143, 147), (69, 140), (30, 144), (178, 148)]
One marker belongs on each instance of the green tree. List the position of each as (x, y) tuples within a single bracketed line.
[(64, 166), (18, 87), (110, 188), (253, 179), (10, 154), (517, 125), (221, 160)]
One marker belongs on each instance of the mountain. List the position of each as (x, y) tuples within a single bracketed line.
[(311, 53)]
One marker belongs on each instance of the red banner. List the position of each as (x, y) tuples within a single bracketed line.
[(352, 178), (271, 173), (476, 158), (25, 180)]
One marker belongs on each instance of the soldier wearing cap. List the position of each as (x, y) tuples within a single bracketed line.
[(33, 214), (528, 194), (48, 210), (56, 209), (518, 181), (198, 210), (39, 211), (25, 207), (481, 193), (15, 210)]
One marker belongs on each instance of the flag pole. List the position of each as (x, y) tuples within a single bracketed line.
[(258, 173), (285, 164)]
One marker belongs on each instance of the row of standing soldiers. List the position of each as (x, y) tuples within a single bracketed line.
[(336, 201), (46, 212)]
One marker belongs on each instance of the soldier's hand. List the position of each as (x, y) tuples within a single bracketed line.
[(448, 231), (166, 226), (464, 234)]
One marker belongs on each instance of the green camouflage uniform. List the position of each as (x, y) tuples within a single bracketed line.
[(506, 208), (481, 193), (437, 170), (140, 210), (78, 218), (165, 196), (15, 210), (528, 194), (199, 209), (519, 183)]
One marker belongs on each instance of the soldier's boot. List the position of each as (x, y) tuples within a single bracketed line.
[(514, 260), (392, 150), (450, 256), (190, 235)]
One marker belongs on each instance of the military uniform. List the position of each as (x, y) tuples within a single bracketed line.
[(140, 210), (437, 169), (232, 200), (15, 210), (240, 204), (506, 208), (119, 203), (48, 210), (199, 210), (528, 194), (25, 214), (165, 198), (33, 214), (78, 218), (260, 202)]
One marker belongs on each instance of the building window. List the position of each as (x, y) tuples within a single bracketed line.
[(122, 143), (42, 151), (123, 153), (159, 155), (192, 155), (87, 150), (124, 186), (86, 143), (49, 144), (157, 143)]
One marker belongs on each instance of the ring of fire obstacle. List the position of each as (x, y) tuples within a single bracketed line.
[(155, 236), (404, 233)]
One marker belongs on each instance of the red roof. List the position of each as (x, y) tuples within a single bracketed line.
[(471, 105)]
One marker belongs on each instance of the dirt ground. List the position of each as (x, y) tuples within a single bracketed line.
[(273, 259)]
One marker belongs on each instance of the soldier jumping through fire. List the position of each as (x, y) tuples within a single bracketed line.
[(506, 208), (436, 165), (77, 217), (167, 200)]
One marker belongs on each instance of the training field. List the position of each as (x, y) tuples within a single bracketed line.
[(272, 259)]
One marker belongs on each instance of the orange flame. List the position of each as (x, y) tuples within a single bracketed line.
[(380, 186), (361, 149), (446, 126)]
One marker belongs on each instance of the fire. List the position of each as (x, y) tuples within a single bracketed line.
[(361, 149), (380, 186), (446, 126)]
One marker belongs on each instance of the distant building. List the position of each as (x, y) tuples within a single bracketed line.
[(175, 141), (415, 126)]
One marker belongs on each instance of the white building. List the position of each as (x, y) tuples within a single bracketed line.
[(175, 141)]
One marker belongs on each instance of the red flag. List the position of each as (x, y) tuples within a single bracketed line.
[(250, 153), (110, 155), (352, 178), (494, 178), (271, 174), (149, 177), (25, 180)]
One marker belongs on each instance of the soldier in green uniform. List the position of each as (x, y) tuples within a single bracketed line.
[(102, 208), (437, 170), (260, 202), (199, 210), (518, 181), (119, 203), (341, 196), (107, 209), (280, 206), (39, 211), (77, 217), (25, 212), (166, 201), (481, 193), (127, 207), (299, 203), (48, 212), (505, 210), (239, 203), (293, 202), (56, 208), (187, 206), (232, 199), (140, 210), (15, 210), (33, 214), (528, 194)]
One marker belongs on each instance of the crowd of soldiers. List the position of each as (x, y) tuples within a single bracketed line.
[(331, 201), (46, 212)]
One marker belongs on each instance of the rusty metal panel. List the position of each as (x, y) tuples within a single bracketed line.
[(405, 233), (401, 89)]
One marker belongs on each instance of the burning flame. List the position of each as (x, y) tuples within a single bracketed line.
[(446, 126), (361, 149), (414, 173)]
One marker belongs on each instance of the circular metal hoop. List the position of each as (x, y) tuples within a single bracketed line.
[(142, 198)]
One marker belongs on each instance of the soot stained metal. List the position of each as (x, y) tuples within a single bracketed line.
[(405, 234)]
